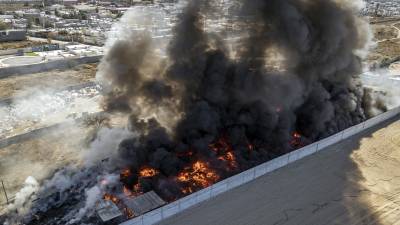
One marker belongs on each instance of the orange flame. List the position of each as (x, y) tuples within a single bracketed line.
[(296, 141), (197, 176), (125, 173), (148, 172), (127, 211), (225, 152), (230, 158), (112, 198), (221, 145), (296, 134)]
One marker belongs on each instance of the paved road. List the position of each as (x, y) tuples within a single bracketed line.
[(355, 182)]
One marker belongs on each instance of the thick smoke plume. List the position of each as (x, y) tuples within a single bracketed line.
[(199, 110), (199, 95)]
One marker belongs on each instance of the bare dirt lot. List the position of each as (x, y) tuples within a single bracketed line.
[(19, 44), (26, 84), (356, 181), (39, 156), (385, 50), (383, 32), (387, 38), (42, 155)]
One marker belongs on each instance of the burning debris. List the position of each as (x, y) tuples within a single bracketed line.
[(199, 115), (196, 177)]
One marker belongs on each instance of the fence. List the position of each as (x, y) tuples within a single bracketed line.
[(255, 172), (40, 67), (4, 196)]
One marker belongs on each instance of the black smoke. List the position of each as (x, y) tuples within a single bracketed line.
[(316, 92), (182, 106)]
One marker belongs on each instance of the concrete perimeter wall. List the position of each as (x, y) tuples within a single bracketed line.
[(255, 172), (51, 65)]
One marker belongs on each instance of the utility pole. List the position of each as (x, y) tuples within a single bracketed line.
[(4, 189)]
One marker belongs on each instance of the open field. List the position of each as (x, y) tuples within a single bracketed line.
[(27, 84), (353, 182), (20, 44), (38, 156), (387, 38), (383, 32)]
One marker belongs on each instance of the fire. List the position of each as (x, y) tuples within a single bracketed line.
[(197, 176), (148, 172), (230, 158), (296, 141), (296, 135), (126, 173), (225, 152), (221, 145), (250, 147), (127, 211), (128, 192), (112, 198)]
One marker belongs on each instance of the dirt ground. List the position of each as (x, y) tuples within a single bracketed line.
[(385, 50), (356, 181), (382, 32), (19, 44), (39, 156), (24, 84), (387, 38)]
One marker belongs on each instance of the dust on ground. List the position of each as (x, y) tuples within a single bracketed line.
[(39, 156), (16, 85)]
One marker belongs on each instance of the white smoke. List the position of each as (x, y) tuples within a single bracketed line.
[(23, 198), (93, 195), (105, 144), (385, 87)]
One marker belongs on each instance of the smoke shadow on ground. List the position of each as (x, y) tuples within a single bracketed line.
[(349, 183)]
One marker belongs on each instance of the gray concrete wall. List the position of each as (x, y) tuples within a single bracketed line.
[(57, 64), (180, 205)]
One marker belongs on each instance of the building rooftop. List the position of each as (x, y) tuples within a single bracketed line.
[(144, 203), (107, 210)]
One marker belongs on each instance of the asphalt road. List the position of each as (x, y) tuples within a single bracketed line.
[(355, 182)]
